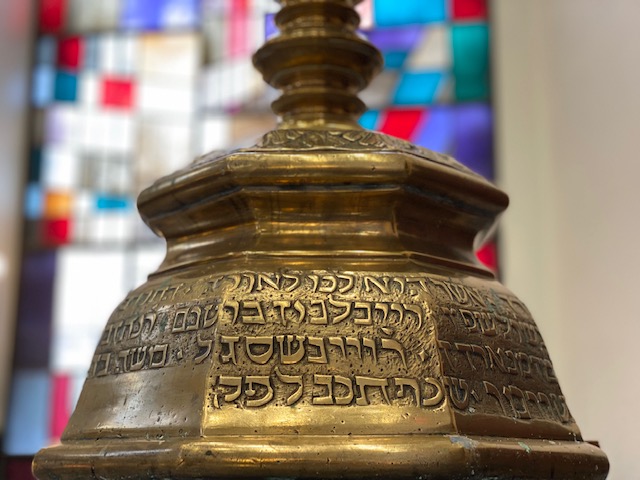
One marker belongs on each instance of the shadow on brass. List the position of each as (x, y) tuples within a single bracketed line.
[(320, 312)]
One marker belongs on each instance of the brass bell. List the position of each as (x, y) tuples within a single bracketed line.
[(320, 312)]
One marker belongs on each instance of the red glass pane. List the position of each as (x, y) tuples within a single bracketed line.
[(70, 52), (488, 255), (56, 231), (467, 9), (401, 123), (59, 405), (52, 15), (117, 92), (238, 32)]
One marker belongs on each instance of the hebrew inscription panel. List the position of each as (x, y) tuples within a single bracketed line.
[(493, 357), (323, 338), (340, 338)]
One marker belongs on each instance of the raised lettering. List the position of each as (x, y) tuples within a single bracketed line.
[(203, 344), (252, 313), (234, 382), (348, 384), (458, 392), (382, 285), (323, 381), (291, 380), (390, 344), (340, 304), (230, 342), (401, 383), (317, 342), (438, 395), (155, 360), (338, 342), (138, 356), (261, 341), (289, 356), (518, 402), (350, 281), (251, 391), (322, 318), (367, 320), (363, 382)]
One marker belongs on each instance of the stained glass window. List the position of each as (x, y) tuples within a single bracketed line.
[(124, 91)]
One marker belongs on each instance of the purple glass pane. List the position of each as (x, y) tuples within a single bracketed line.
[(396, 39), (270, 27), (473, 131), (35, 307), (436, 130)]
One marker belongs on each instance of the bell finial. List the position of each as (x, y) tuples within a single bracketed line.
[(319, 62)]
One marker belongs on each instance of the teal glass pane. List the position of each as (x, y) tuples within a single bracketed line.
[(394, 60), (391, 12), (470, 45), (418, 88), (66, 87), (35, 164)]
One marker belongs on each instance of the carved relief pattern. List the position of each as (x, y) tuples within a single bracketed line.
[(300, 139)]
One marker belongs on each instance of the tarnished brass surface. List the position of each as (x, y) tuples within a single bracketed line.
[(320, 312)]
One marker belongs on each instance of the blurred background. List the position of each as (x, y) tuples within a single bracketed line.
[(100, 98)]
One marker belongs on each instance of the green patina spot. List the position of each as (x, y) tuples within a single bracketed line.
[(526, 447)]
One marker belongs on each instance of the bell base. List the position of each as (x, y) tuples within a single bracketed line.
[(318, 457)]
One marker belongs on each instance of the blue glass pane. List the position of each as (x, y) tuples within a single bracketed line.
[(370, 119), (140, 14), (28, 419), (392, 12), (112, 203), (33, 201), (66, 87), (417, 88), (42, 89)]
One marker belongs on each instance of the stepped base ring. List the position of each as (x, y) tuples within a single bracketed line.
[(426, 457)]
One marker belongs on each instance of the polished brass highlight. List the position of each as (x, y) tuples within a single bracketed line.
[(320, 312)]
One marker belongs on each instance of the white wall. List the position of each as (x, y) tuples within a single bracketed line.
[(567, 86)]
